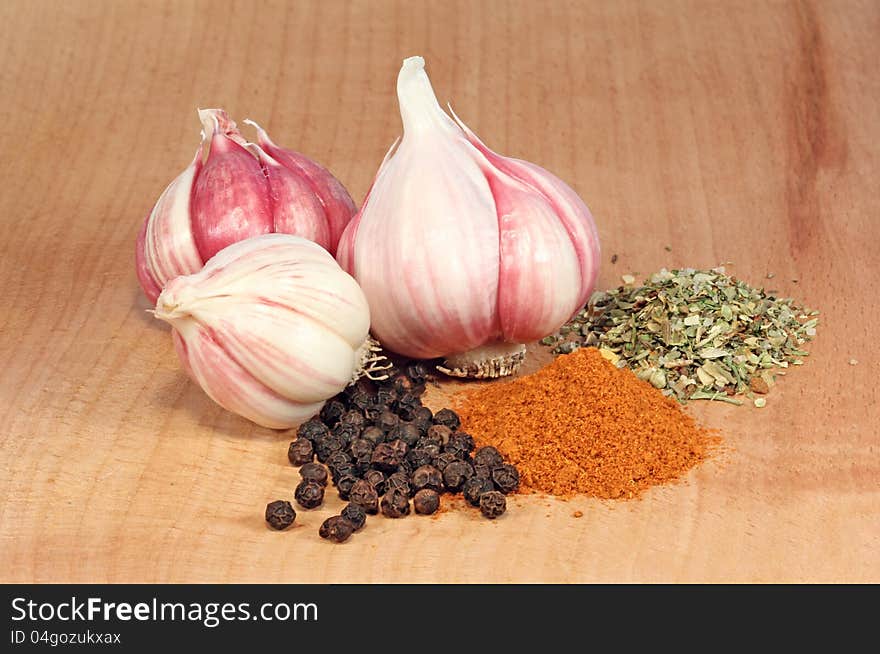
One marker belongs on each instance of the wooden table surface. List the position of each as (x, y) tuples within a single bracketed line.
[(727, 131)]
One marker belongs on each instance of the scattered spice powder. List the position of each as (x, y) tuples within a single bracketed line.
[(583, 426)]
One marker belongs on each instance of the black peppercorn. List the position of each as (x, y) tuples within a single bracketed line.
[(312, 430), (376, 479), (408, 402), (347, 431), (399, 481), (426, 501), (344, 485), (395, 503), (387, 421), (428, 447), (373, 434), (483, 471), (336, 529), (280, 514), (443, 460), (456, 473), (506, 478), (405, 431), (353, 417), (363, 494), (352, 390), (386, 458), (314, 472), (439, 434), (356, 515), (331, 412), (474, 487), (399, 447), (300, 451), (422, 418), (361, 399), (459, 444), (492, 504), (448, 418), (386, 396), (337, 459), (401, 383), (405, 467), (360, 447), (340, 471), (427, 476), (360, 465), (488, 456), (331, 443), (431, 438), (372, 412), (417, 372), (309, 494), (419, 457)]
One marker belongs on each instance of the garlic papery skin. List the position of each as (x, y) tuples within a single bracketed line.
[(463, 253), (270, 328), (233, 190)]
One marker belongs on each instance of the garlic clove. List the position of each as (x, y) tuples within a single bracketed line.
[(231, 195), (344, 253), (447, 274), (166, 247), (148, 283), (337, 203), (295, 207), (230, 385), (434, 281), (254, 335), (335, 300), (539, 278), (567, 205)]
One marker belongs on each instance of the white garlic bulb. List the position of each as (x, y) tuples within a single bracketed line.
[(270, 328), (463, 253)]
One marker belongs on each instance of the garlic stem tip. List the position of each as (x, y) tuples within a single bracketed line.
[(416, 62), (205, 113)]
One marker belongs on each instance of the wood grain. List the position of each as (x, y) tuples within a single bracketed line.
[(728, 131)]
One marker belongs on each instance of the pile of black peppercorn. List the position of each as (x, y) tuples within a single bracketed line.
[(385, 451)]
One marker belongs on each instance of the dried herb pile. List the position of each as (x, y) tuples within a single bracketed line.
[(583, 426), (694, 334)]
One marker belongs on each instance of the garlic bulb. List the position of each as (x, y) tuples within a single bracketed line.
[(463, 253), (270, 328), (241, 190)]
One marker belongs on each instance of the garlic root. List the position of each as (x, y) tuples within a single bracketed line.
[(370, 362), (485, 362)]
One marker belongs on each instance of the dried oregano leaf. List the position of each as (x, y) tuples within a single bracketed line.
[(694, 334)]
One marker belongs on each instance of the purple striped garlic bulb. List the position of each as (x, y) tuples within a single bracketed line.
[(240, 190), (270, 328), (462, 253)]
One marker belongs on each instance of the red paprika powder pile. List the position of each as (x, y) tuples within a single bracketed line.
[(583, 426)]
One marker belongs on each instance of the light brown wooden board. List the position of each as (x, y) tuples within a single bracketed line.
[(734, 131)]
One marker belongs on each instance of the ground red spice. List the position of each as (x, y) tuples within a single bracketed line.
[(583, 426)]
